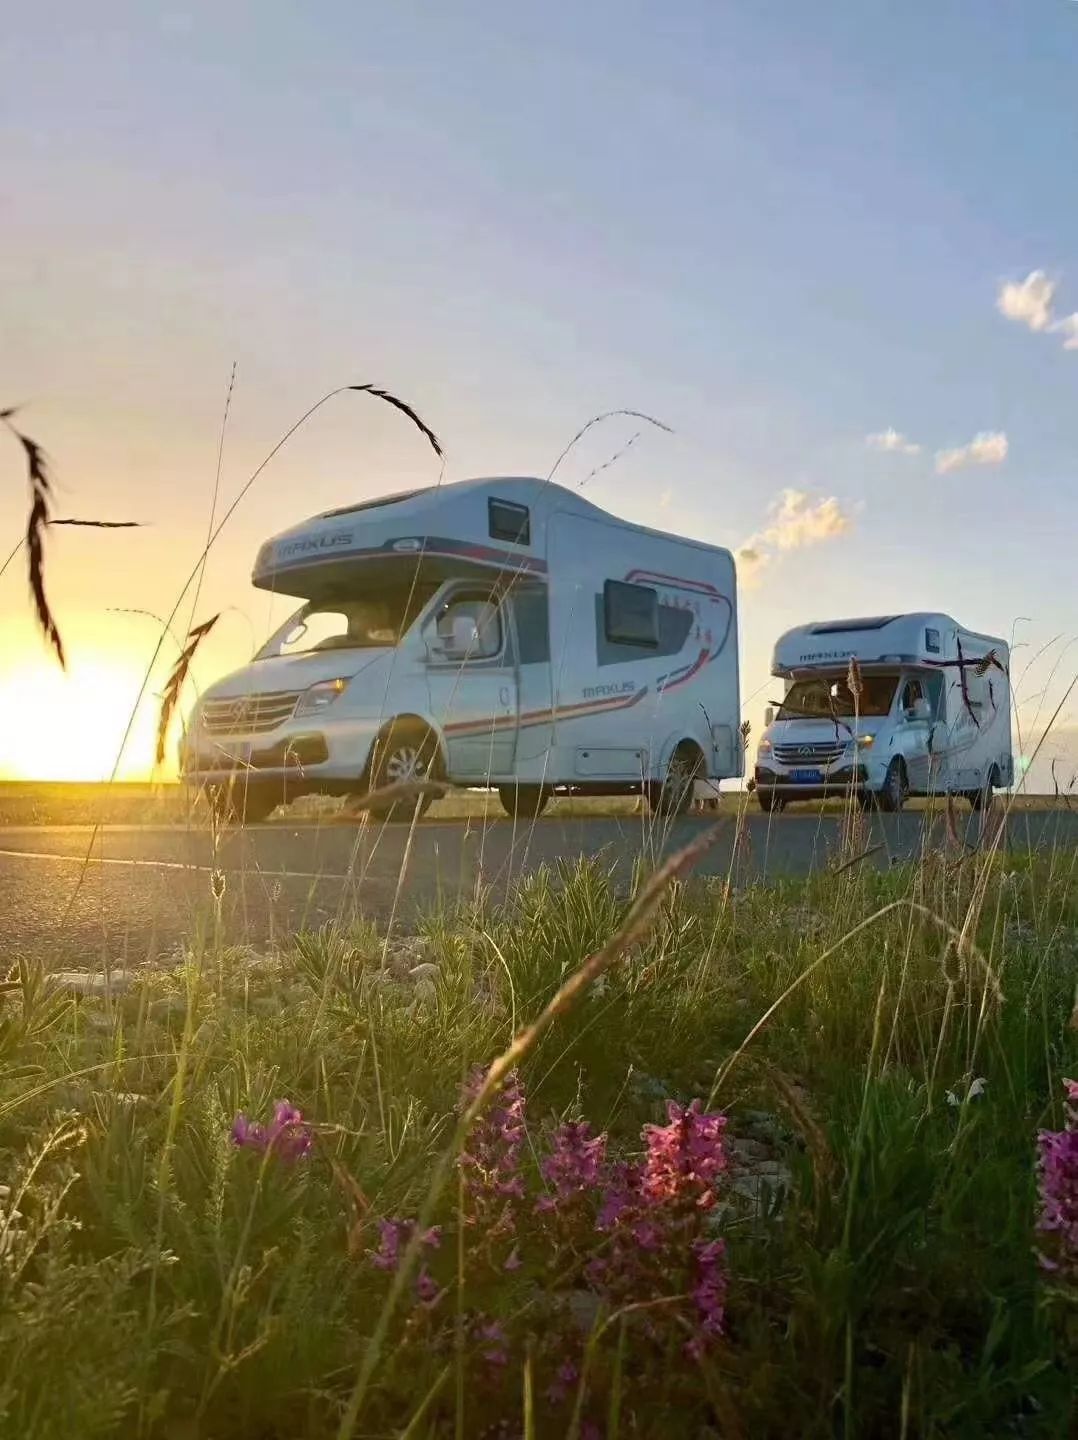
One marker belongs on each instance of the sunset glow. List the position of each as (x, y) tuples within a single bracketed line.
[(70, 726)]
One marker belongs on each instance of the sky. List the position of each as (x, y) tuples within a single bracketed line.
[(832, 246)]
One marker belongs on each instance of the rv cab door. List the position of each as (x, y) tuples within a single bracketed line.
[(471, 675)]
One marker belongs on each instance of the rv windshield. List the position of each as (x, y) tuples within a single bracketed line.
[(361, 620), (824, 696)]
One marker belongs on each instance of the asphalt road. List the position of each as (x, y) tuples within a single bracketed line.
[(136, 892)]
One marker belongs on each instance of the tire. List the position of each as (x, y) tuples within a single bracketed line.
[(891, 798), (674, 795), (981, 800), (242, 803), (402, 755), (524, 802), (770, 803)]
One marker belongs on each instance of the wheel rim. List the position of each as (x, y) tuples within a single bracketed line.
[(404, 765)]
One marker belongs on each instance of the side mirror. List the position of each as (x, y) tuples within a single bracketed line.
[(769, 715), (462, 640)]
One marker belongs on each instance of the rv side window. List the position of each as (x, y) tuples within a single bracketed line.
[(631, 614), (509, 522), (533, 626), (932, 641), (977, 691)]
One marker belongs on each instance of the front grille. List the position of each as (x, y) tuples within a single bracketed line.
[(249, 714), (822, 752)]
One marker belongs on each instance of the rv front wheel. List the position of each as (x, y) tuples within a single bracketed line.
[(892, 795), (770, 803), (674, 795), (524, 802), (403, 756)]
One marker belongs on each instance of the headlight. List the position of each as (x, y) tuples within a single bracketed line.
[(764, 745), (864, 741), (319, 697)]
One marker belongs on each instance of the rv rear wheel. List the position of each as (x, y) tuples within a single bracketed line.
[(892, 796), (524, 802), (982, 799), (403, 756), (674, 795)]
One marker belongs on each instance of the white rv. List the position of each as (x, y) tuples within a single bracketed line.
[(932, 716), (500, 633)]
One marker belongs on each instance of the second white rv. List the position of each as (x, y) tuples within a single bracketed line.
[(925, 710), (500, 633)]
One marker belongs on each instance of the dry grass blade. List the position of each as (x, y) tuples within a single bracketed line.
[(796, 1104), (597, 420), (400, 794), (635, 925), (175, 682), (405, 409), (35, 549), (102, 524), (37, 474), (858, 859), (613, 460)]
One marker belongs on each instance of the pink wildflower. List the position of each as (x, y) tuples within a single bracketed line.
[(575, 1164), (685, 1157), (709, 1292), (1057, 1167), (493, 1342), (563, 1384), (287, 1136), (427, 1290), (394, 1236), (491, 1159)]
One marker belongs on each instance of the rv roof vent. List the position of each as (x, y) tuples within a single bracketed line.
[(869, 622)]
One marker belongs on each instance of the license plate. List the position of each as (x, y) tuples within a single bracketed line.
[(806, 777)]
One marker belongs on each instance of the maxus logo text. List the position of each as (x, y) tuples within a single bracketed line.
[(601, 692), (314, 542)]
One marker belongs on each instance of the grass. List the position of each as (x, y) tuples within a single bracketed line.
[(878, 1219)]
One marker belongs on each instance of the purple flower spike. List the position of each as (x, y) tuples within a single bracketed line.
[(248, 1134), (1057, 1175), (576, 1164), (492, 1160), (288, 1136), (564, 1382), (492, 1342), (394, 1236), (427, 1290)]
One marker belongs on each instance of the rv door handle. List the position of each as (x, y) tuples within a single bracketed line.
[(503, 696)]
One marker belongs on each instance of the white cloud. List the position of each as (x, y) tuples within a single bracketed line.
[(797, 521), (892, 441), (751, 562), (1068, 328), (1029, 301), (987, 448), (794, 521)]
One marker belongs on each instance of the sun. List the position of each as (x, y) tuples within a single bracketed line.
[(70, 725)]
